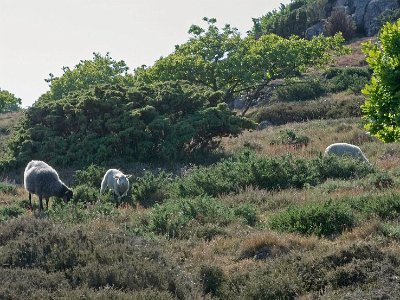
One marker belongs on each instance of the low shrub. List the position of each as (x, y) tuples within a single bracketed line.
[(76, 213), (211, 277), (298, 91), (150, 188), (56, 261), (14, 210), (323, 219), (247, 169), (7, 188), (349, 78), (86, 194), (90, 176), (175, 217), (283, 113)]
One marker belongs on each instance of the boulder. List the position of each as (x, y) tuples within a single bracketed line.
[(374, 10), (315, 30)]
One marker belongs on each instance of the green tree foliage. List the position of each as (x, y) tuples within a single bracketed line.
[(381, 108), (8, 102), (221, 60), (108, 124), (87, 73)]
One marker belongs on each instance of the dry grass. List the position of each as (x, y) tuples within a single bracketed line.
[(356, 58)]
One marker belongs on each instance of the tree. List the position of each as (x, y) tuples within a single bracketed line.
[(88, 73), (381, 108), (109, 124), (222, 60), (8, 102)]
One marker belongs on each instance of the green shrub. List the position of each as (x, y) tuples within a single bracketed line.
[(349, 78), (385, 206), (283, 113), (80, 212), (115, 124), (323, 219), (150, 188), (298, 91), (246, 169), (248, 212), (174, 217), (13, 211), (86, 194), (90, 176), (7, 188)]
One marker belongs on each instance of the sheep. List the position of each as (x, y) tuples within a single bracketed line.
[(346, 149), (42, 180), (117, 181)]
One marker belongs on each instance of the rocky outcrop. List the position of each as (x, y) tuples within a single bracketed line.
[(374, 10), (365, 13)]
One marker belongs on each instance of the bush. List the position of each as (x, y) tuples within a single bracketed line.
[(174, 217), (339, 21), (246, 169), (7, 188), (13, 211), (298, 91), (162, 121), (76, 213), (283, 113), (349, 78), (323, 219), (90, 176), (212, 278), (150, 188), (86, 194)]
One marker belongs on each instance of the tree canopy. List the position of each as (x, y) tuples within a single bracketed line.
[(222, 60), (381, 108), (8, 101), (87, 73)]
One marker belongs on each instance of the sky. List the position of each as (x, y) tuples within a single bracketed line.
[(40, 37)]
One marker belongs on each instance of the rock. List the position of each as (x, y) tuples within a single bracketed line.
[(376, 8), (315, 30), (263, 124)]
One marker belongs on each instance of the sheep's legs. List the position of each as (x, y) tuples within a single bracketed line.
[(40, 203), (30, 200), (47, 203)]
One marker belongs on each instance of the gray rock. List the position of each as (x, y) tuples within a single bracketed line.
[(359, 7), (376, 8), (315, 30), (263, 124)]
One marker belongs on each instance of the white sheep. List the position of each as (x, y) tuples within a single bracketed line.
[(346, 149), (117, 181), (42, 180)]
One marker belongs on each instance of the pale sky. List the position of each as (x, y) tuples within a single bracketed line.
[(38, 37)]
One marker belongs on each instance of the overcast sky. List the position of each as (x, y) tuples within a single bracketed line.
[(39, 37)]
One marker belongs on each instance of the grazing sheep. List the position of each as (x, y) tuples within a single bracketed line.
[(117, 181), (42, 180), (346, 149)]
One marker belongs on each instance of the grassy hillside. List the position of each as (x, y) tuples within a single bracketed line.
[(276, 221)]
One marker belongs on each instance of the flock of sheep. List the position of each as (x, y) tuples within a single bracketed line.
[(42, 180)]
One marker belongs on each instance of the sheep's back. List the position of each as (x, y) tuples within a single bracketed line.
[(42, 181)]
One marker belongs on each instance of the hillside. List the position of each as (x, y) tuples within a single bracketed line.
[(273, 220)]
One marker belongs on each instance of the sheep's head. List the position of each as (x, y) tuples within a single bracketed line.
[(122, 179), (67, 195)]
